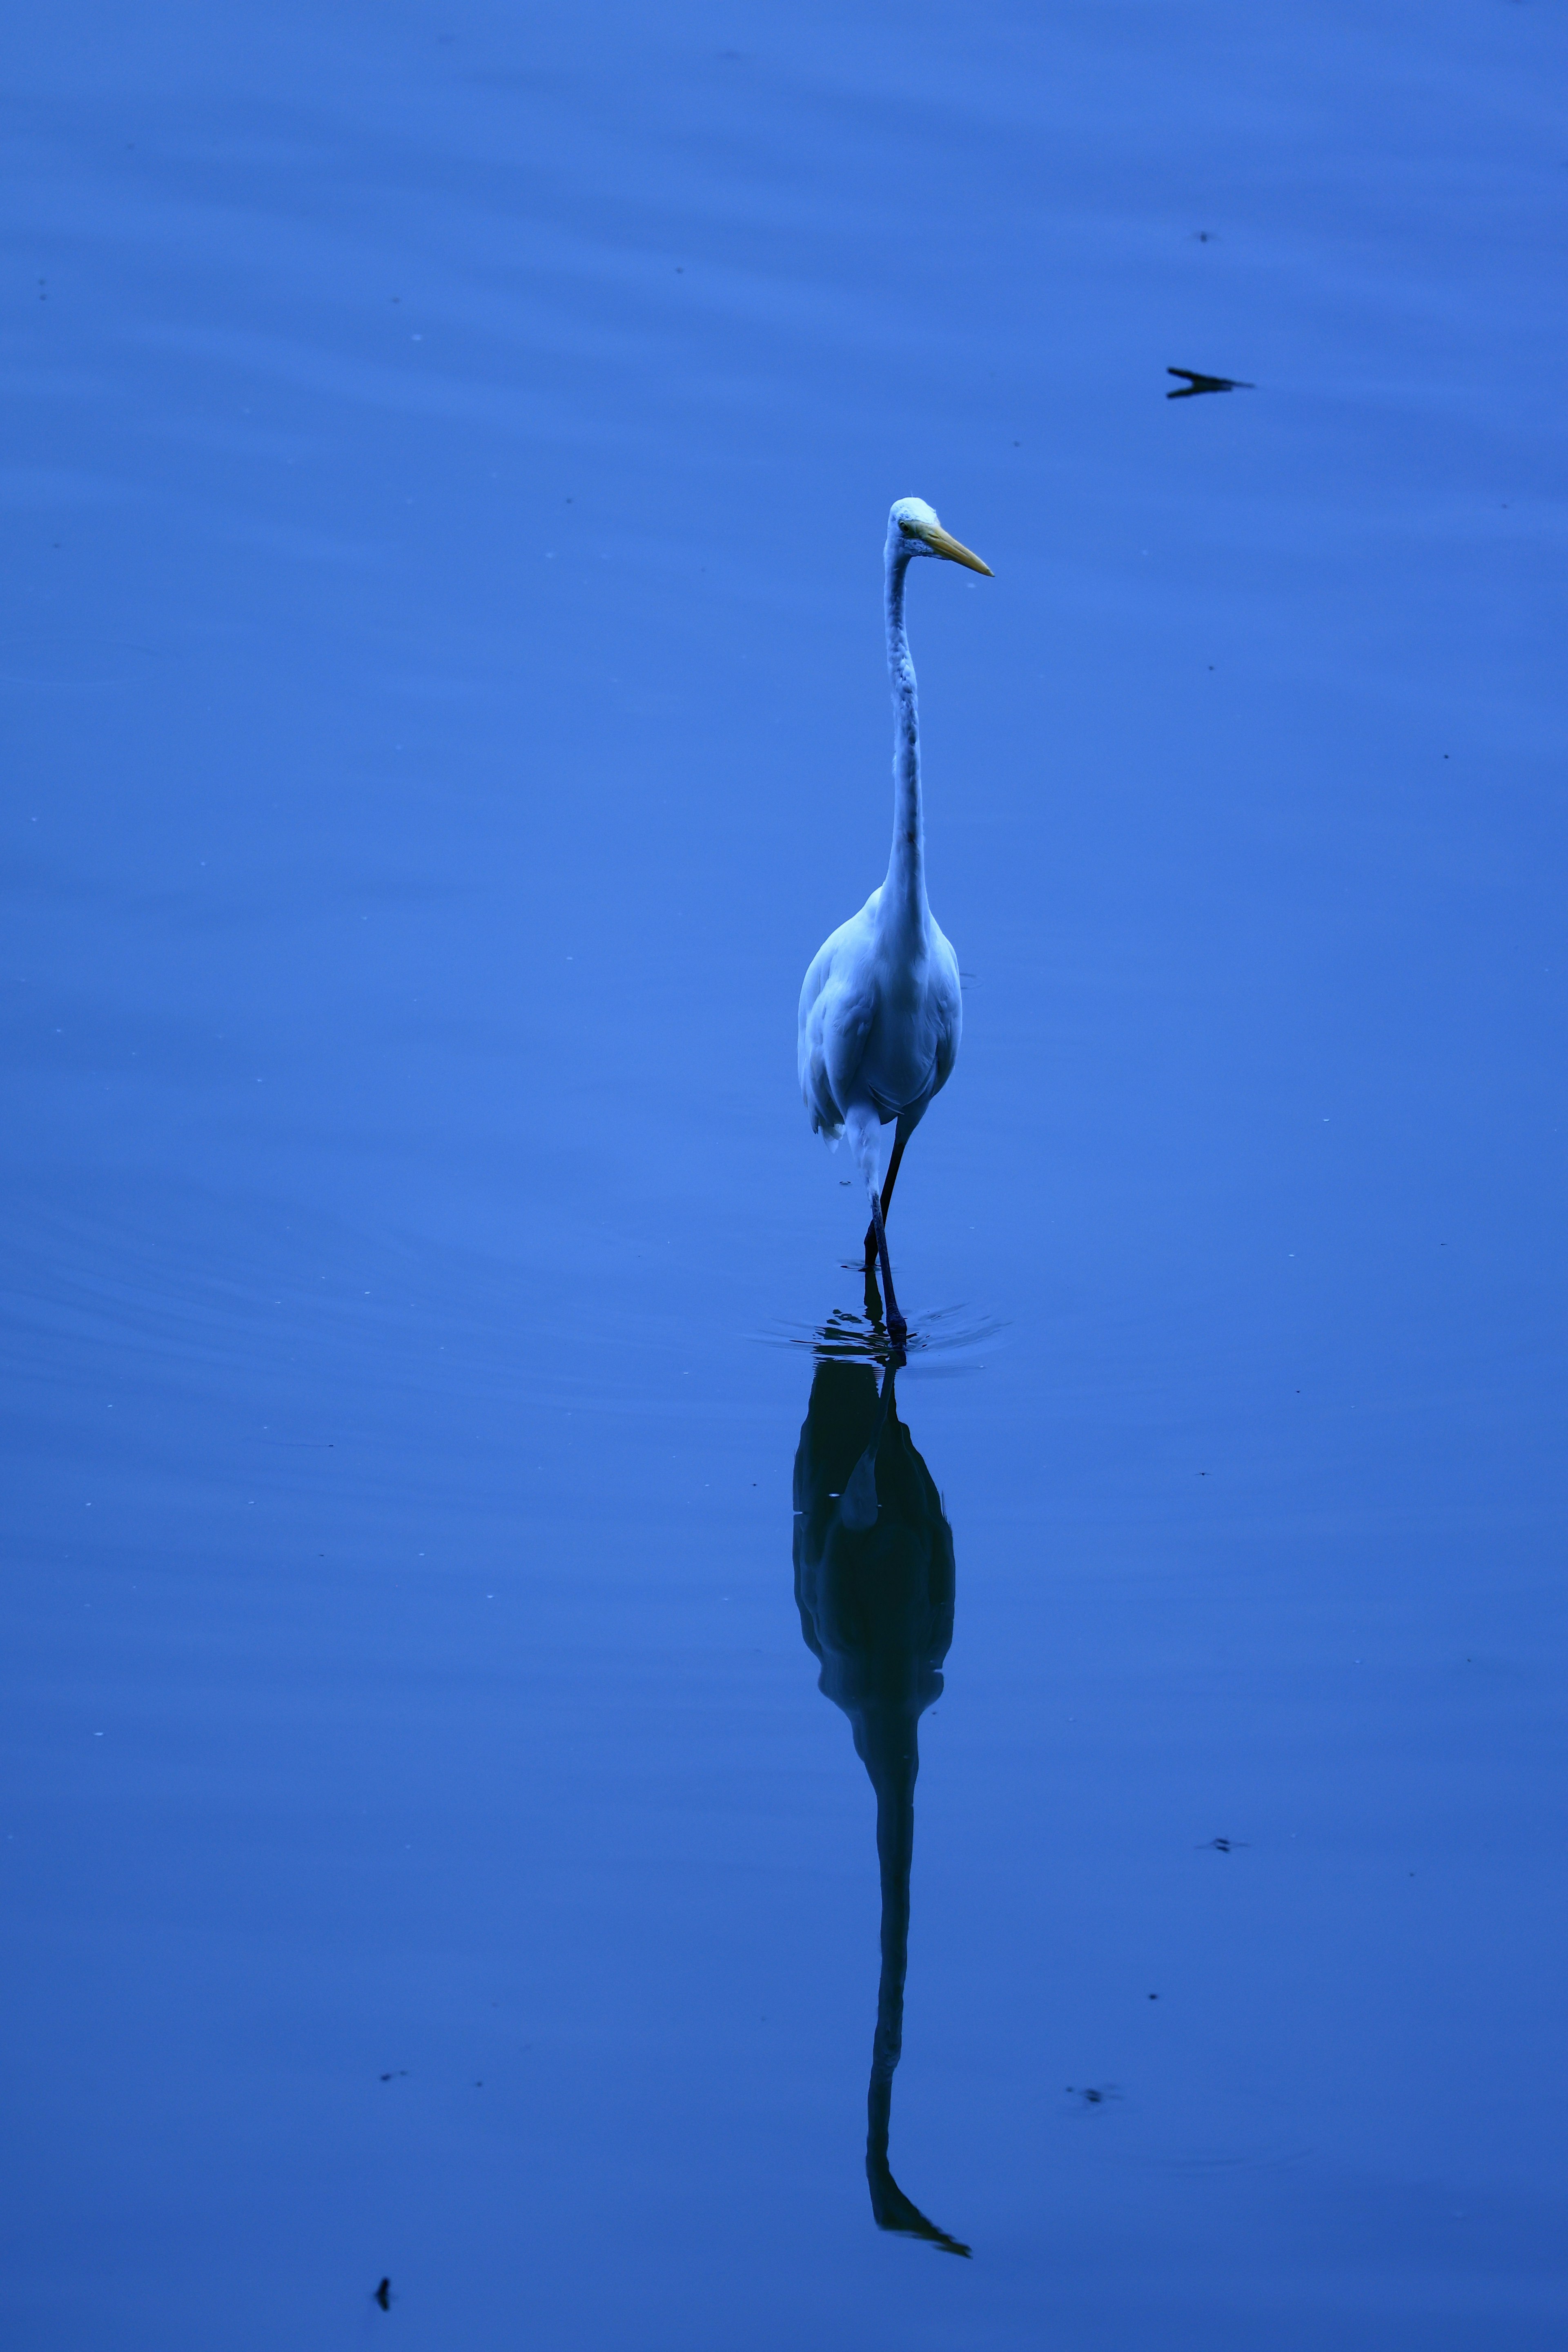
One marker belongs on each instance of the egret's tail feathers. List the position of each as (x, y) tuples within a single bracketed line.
[(868, 1143)]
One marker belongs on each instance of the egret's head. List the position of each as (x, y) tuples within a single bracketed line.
[(913, 529)]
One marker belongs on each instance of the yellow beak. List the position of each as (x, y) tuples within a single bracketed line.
[(943, 542)]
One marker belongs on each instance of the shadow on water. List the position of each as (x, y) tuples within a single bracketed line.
[(874, 1584)]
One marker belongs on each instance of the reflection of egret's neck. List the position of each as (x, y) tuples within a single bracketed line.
[(893, 1778), (893, 1773)]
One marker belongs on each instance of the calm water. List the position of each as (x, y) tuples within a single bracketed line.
[(447, 457)]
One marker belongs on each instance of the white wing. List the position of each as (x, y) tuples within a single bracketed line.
[(913, 1044), (947, 1003), (837, 1004)]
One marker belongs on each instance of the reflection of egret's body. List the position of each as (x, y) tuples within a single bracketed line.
[(880, 1008), (874, 1583)]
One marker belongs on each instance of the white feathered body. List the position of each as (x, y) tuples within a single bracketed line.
[(881, 1013)]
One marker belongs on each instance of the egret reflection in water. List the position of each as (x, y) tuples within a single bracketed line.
[(874, 1584)]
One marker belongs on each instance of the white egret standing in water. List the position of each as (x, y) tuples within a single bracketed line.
[(880, 1008)]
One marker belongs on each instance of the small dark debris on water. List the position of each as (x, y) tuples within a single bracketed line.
[(1219, 1846), (383, 2295), (1093, 2095), (1196, 382), (395, 2075)]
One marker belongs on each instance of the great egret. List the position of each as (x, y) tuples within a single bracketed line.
[(881, 1009)]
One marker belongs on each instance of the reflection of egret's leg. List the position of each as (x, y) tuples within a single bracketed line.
[(896, 1355), (899, 1139)]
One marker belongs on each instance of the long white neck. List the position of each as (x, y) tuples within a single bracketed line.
[(904, 891)]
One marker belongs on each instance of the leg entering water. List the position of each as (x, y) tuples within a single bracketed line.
[(898, 1329)]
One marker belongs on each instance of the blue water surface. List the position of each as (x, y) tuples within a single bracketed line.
[(448, 460)]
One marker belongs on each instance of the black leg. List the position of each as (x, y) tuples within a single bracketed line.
[(898, 1329), (900, 1141)]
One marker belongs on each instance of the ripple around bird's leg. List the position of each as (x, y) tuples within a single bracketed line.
[(953, 1333)]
